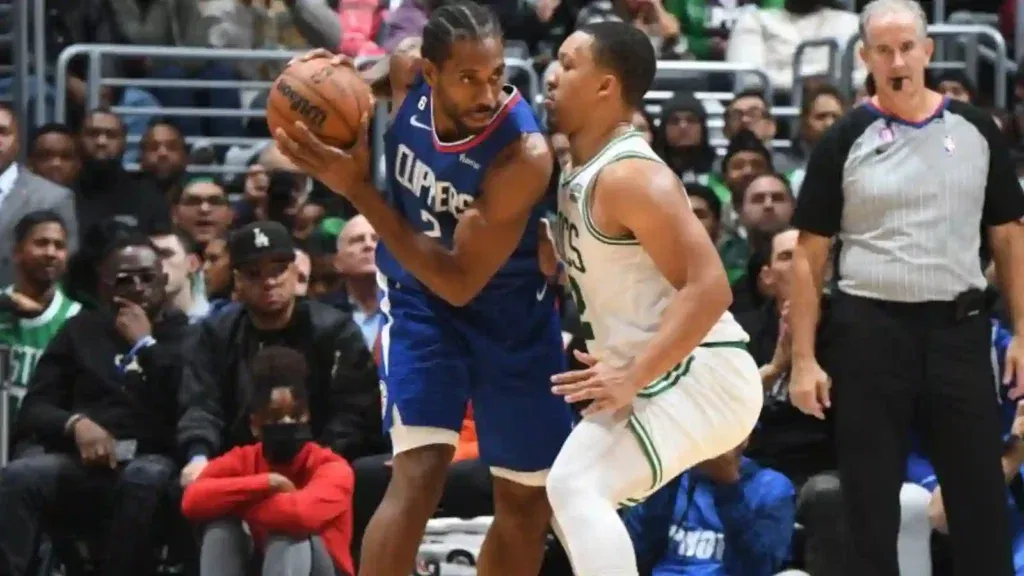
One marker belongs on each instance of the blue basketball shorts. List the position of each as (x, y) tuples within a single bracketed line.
[(499, 352)]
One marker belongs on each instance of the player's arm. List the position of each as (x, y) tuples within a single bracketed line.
[(486, 233), (648, 199)]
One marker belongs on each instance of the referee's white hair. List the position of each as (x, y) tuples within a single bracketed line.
[(884, 7)]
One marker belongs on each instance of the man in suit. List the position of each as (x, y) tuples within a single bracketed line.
[(22, 192)]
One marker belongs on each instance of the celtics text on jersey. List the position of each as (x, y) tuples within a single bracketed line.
[(619, 291)]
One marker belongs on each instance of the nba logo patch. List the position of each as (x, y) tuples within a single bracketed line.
[(575, 191), (949, 145), (886, 135)]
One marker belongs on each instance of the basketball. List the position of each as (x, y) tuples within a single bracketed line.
[(329, 100)]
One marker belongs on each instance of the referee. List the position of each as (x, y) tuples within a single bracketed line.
[(906, 182)]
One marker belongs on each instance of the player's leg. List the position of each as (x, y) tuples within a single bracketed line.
[(705, 408), (520, 427), (424, 398)]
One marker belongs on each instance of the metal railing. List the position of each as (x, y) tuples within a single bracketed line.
[(94, 53), (830, 44), (950, 30)]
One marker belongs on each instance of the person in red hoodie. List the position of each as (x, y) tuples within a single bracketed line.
[(293, 496)]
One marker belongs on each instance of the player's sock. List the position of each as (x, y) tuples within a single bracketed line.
[(599, 466)]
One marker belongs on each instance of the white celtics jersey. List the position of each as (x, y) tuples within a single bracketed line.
[(620, 293)]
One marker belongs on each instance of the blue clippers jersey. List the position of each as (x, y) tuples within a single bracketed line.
[(432, 183)]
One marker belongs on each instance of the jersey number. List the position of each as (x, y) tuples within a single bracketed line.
[(433, 226), (586, 329)]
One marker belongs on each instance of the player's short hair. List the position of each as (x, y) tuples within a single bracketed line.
[(885, 7), (29, 221), (628, 53), (453, 21), (105, 111), (278, 367)]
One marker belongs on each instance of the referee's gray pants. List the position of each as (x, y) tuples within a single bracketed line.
[(901, 369)]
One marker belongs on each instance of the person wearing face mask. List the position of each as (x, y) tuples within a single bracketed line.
[(105, 190), (293, 496)]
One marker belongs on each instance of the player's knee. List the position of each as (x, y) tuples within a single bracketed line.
[(418, 475), (521, 505), (564, 488)]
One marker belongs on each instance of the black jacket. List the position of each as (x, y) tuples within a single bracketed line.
[(79, 374), (344, 396)]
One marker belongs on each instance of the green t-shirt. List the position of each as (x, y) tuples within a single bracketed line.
[(28, 338)]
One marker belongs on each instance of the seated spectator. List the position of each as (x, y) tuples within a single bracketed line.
[(765, 207), (105, 190), (35, 307), (307, 216), (957, 85), (302, 270), (727, 515), (708, 209), (683, 142), (822, 106), (357, 245), (342, 381), (746, 160), (707, 25), (180, 257), (294, 496), (102, 405), (253, 205), (750, 110), (217, 277), (201, 209), (767, 39), (326, 283), (53, 154), (643, 123), (164, 156), (22, 192)]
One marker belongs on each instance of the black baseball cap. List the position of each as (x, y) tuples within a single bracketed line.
[(260, 240)]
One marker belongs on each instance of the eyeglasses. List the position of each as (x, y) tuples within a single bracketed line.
[(754, 114), (197, 201), (126, 280)]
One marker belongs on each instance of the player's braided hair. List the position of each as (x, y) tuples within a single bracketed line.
[(458, 20)]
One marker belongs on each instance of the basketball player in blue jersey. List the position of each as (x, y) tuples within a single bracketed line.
[(469, 316)]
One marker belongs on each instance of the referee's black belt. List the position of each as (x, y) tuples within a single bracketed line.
[(966, 305)]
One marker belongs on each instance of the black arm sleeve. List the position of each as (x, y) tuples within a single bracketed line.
[(46, 408), (201, 426), (354, 420), (819, 207), (1004, 199)]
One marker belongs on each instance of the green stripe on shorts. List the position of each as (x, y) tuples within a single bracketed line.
[(673, 376), (648, 449)]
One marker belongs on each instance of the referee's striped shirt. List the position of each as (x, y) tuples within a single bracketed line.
[(908, 200)]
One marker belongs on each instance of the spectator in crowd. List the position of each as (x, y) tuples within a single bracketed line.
[(35, 307), (707, 207), (745, 161), (360, 22), (727, 515), (650, 16), (201, 209), (22, 192), (307, 216), (707, 24), (253, 205), (683, 141), (821, 107), (105, 190), (53, 154), (405, 21), (180, 257), (957, 85), (164, 156), (325, 281), (750, 110), (294, 496), (102, 404), (302, 271), (217, 274), (767, 39), (357, 246), (342, 382)]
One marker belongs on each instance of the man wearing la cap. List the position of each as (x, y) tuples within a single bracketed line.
[(342, 382)]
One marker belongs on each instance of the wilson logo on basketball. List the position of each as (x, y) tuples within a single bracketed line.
[(315, 116)]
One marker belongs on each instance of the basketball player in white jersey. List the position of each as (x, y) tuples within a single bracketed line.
[(669, 382)]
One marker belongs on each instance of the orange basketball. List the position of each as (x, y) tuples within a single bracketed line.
[(329, 100)]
